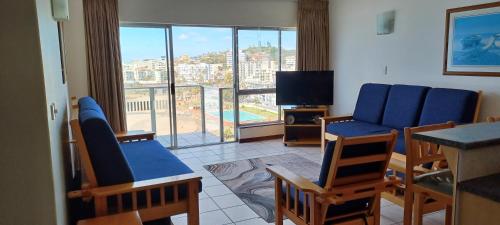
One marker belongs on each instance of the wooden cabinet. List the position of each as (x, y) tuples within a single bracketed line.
[(302, 126)]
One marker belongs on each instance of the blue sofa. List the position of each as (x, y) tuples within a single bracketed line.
[(135, 162), (382, 107)]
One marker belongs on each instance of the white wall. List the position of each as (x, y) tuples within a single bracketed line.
[(33, 145), (280, 13), (413, 54), (75, 54)]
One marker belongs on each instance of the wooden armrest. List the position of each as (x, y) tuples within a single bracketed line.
[(135, 135), (135, 186), (329, 119), (296, 180)]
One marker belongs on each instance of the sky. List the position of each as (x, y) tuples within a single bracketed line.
[(146, 43)]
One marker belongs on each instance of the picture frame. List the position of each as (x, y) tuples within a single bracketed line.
[(472, 41)]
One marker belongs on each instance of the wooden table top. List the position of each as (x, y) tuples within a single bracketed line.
[(127, 218)]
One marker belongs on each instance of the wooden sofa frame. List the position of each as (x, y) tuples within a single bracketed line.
[(152, 210), (398, 161), (337, 190)]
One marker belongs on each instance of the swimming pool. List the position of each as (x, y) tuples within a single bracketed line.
[(244, 116)]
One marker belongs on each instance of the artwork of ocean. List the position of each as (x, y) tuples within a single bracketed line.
[(476, 40)]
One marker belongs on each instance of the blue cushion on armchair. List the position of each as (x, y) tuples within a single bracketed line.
[(108, 161), (371, 102), (404, 105), (443, 105)]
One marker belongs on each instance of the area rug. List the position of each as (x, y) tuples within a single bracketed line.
[(250, 181)]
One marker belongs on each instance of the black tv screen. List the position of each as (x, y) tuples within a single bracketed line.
[(306, 88)]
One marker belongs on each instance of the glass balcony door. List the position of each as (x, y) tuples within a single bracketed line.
[(203, 77), (179, 83), (146, 81)]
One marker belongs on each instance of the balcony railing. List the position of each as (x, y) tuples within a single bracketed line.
[(150, 103)]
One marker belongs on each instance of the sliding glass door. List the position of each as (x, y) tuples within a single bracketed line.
[(194, 85), (179, 83), (203, 75), (146, 81)]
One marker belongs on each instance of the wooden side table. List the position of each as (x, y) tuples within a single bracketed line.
[(128, 218)]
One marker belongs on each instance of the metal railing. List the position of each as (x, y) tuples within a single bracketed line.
[(153, 104)]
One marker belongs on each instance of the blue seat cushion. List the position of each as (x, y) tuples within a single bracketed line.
[(443, 105), (333, 210), (371, 102), (404, 105), (106, 156), (356, 128), (150, 160)]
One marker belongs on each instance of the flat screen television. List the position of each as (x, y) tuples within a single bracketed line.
[(304, 88)]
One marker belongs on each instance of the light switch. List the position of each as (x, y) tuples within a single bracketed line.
[(53, 111)]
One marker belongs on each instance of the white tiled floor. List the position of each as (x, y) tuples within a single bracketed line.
[(219, 205)]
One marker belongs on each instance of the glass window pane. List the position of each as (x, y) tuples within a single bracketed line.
[(288, 50), (145, 80), (258, 57), (203, 56), (143, 56), (203, 68), (258, 108)]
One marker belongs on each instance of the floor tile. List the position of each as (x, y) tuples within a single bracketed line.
[(254, 221), (207, 205), (393, 213), (210, 181), (240, 213), (226, 201), (217, 190), (214, 218)]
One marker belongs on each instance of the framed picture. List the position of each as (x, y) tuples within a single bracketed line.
[(472, 42)]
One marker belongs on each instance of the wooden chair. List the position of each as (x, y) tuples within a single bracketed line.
[(355, 177), (398, 167), (153, 199), (493, 119), (426, 186)]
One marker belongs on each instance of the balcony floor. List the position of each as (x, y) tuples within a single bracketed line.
[(189, 139)]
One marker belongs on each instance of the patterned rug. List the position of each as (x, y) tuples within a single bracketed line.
[(250, 181)]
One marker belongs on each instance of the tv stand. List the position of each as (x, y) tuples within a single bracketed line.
[(305, 107), (304, 129)]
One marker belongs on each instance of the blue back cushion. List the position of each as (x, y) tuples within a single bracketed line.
[(88, 103), (371, 102), (351, 151), (443, 105), (404, 105), (108, 161)]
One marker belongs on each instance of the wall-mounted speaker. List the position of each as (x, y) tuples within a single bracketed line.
[(60, 10)]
